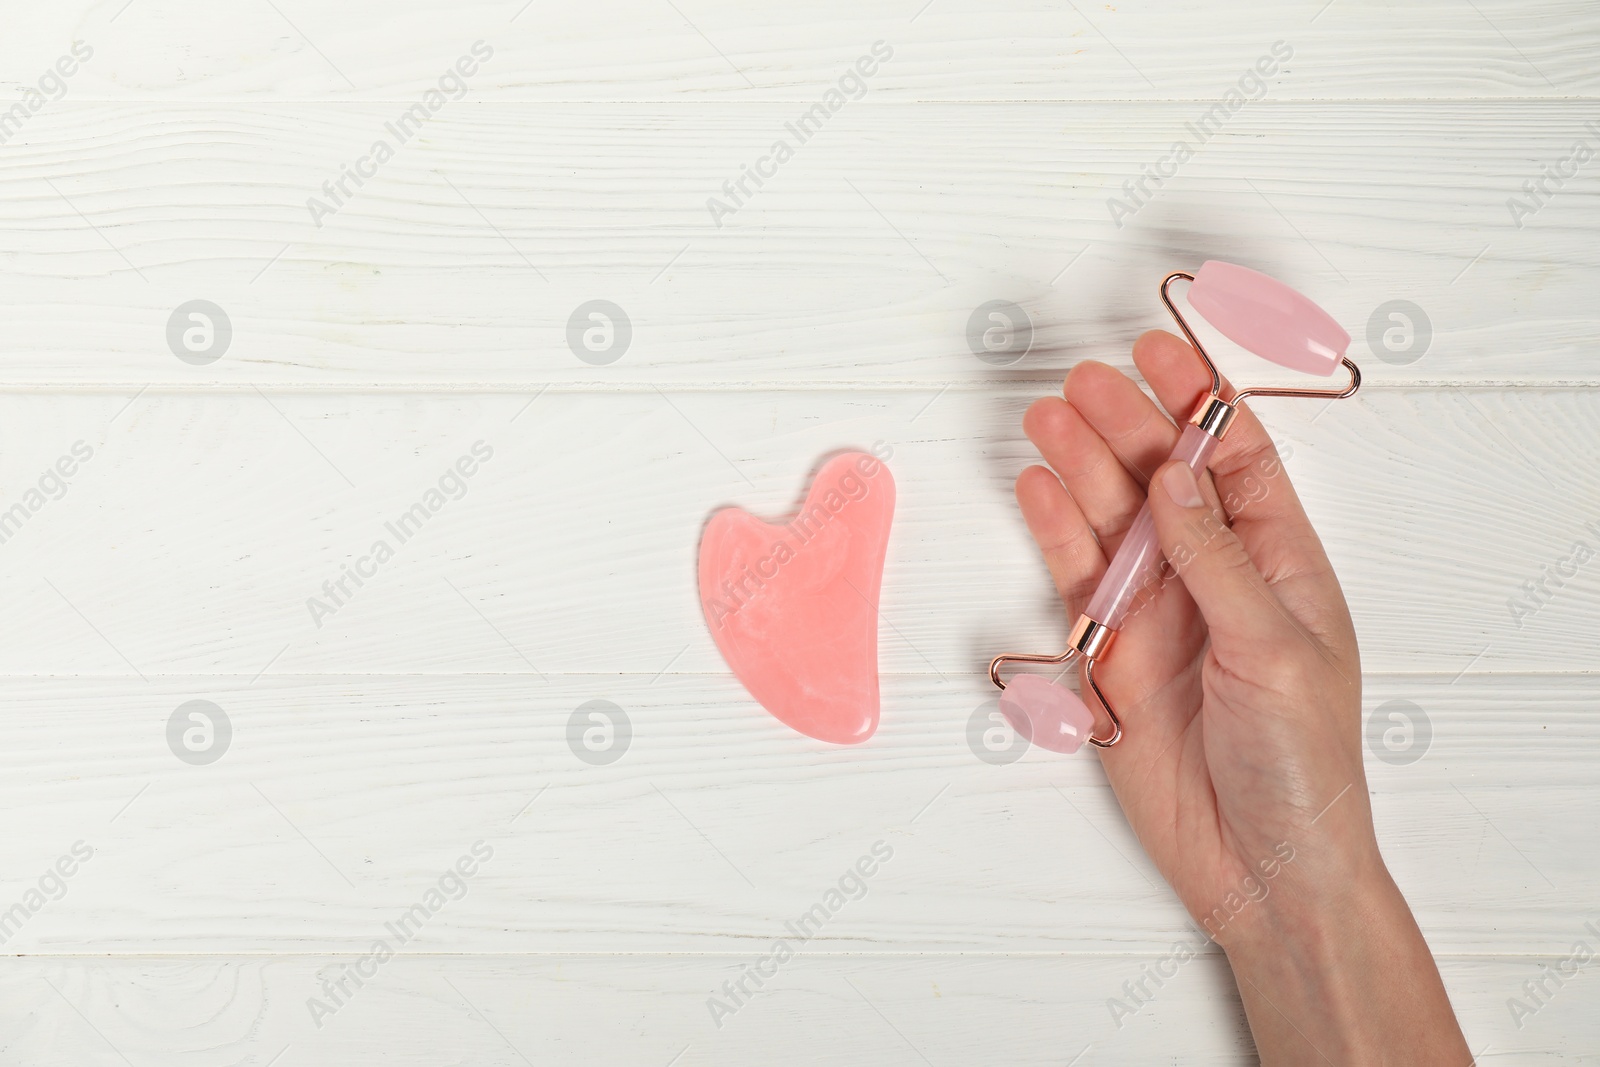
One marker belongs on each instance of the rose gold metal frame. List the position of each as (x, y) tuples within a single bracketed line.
[(1207, 406)]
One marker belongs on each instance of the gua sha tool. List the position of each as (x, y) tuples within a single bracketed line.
[(1261, 315), (793, 608)]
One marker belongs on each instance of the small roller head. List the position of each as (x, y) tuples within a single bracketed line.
[(1269, 318), (1046, 714)]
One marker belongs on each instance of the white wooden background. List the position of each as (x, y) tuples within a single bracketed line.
[(430, 313)]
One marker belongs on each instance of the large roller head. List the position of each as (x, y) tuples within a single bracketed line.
[(1269, 318)]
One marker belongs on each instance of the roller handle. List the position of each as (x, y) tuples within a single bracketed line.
[(1135, 570)]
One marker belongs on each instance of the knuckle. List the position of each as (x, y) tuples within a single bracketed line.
[(1228, 556)]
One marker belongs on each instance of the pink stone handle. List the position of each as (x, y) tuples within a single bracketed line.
[(1135, 568), (1269, 318)]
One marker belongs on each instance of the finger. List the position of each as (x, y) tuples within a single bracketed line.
[(1104, 442), (1129, 421), (1174, 371), (1106, 495), (1254, 489), (1241, 611), (1064, 536)]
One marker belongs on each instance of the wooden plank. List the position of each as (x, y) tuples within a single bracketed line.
[(864, 260), (204, 535), (338, 803), (824, 1009), (633, 49)]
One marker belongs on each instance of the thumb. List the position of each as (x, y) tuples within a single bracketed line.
[(1240, 609)]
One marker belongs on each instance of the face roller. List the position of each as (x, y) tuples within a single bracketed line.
[(1259, 314)]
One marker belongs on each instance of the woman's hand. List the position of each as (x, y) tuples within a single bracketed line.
[(1238, 683)]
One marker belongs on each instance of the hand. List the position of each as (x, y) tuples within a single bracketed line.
[(1238, 683)]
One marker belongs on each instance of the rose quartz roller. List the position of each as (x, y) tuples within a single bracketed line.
[(1259, 314)]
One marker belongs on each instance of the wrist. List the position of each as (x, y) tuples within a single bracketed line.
[(1342, 966), (1313, 907)]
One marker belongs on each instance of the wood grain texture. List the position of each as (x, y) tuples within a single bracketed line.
[(341, 801), (197, 538), (464, 257), (946, 49), (374, 345), (822, 1009)]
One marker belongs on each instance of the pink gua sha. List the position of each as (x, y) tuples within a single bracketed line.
[(1261, 315), (793, 608)]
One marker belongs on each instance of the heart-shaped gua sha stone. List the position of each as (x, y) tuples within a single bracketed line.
[(1048, 715), (793, 607)]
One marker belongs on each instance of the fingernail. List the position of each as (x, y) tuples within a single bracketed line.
[(1178, 481)]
